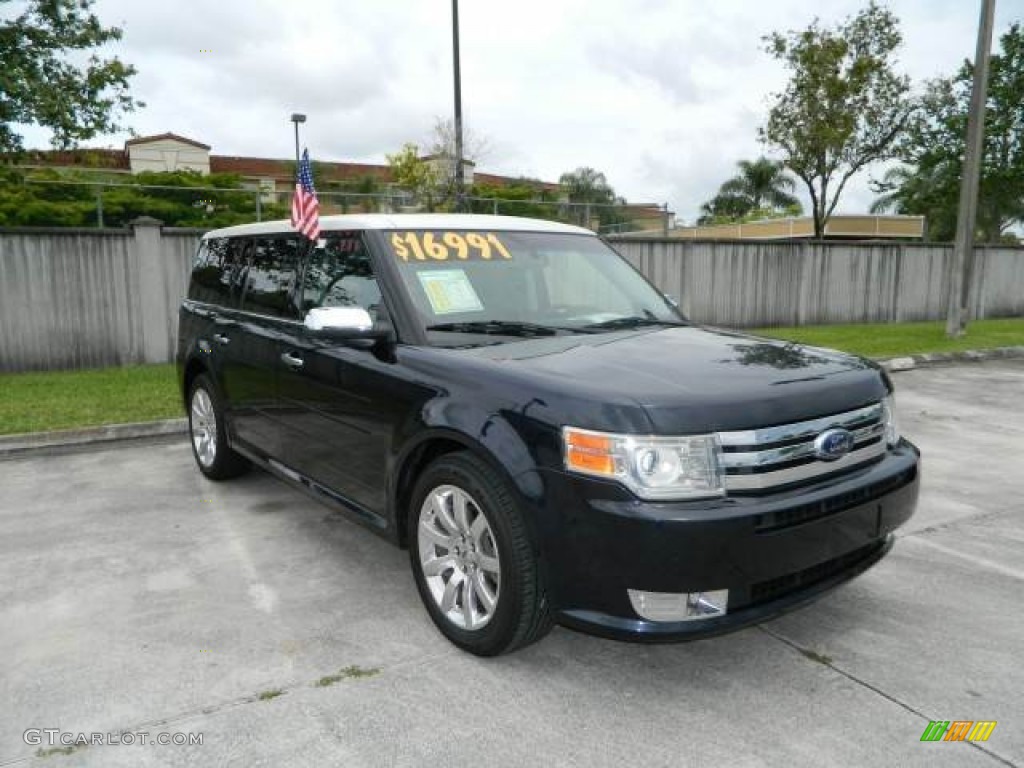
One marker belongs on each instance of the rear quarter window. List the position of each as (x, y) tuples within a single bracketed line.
[(214, 273)]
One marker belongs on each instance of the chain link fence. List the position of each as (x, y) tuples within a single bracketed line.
[(79, 203)]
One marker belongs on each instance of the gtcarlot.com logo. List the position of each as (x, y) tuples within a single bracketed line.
[(958, 730), (54, 737)]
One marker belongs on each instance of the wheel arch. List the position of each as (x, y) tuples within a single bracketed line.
[(194, 368), (429, 447)]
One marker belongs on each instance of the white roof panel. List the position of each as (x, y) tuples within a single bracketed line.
[(409, 221)]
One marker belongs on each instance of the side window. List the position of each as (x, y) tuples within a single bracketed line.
[(211, 270), (205, 275), (272, 276), (338, 274), (234, 261)]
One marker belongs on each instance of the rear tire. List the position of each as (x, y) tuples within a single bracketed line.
[(475, 568), (208, 435)]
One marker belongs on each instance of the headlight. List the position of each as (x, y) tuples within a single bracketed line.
[(652, 467), (892, 431)]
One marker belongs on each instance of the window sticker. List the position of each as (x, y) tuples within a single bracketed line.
[(448, 246), (449, 291)]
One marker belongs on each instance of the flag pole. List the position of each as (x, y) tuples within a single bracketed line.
[(304, 243)]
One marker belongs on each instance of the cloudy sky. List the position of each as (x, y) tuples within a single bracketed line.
[(664, 96)]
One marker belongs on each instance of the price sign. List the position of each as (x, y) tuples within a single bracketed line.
[(448, 246)]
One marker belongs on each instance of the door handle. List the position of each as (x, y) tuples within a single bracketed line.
[(221, 339), (292, 361)]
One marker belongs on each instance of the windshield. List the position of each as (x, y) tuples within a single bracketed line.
[(483, 285)]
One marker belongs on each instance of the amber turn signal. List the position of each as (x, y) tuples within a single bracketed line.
[(588, 452)]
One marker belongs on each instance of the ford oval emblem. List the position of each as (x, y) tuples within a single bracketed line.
[(833, 444)]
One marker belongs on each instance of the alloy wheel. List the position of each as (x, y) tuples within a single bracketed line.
[(459, 557), (204, 427)]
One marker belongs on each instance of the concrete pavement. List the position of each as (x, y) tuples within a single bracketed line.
[(135, 595)]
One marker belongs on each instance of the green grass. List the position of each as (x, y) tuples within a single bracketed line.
[(900, 339), (348, 673), (39, 402)]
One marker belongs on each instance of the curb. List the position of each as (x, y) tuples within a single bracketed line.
[(897, 364), (43, 442), (33, 442)]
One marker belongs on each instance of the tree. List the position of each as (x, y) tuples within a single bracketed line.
[(414, 174), (49, 197), (933, 148), (362, 192), (844, 105), (41, 86), (761, 186), (722, 209), (585, 185), (524, 197), (441, 152), (931, 192)]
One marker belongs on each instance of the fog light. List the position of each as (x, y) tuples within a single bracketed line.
[(679, 606)]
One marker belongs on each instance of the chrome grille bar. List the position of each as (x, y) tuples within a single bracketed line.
[(761, 459), (804, 472), (793, 452), (801, 429)]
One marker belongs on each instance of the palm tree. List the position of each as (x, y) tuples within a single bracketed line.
[(585, 185), (764, 183), (931, 192), (893, 190), (761, 184)]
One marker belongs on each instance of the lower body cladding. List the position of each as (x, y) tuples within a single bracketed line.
[(663, 571)]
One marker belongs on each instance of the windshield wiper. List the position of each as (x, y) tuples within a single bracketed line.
[(632, 321), (499, 328)]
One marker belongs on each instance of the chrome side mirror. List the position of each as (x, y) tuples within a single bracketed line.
[(339, 322)]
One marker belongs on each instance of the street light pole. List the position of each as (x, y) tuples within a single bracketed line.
[(958, 300), (460, 181), (296, 119)]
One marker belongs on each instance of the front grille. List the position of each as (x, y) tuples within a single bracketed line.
[(805, 513), (772, 589), (772, 457)]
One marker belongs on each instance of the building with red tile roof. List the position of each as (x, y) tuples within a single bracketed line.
[(173, 152)]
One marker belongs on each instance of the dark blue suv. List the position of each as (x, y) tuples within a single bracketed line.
[(552, 441)]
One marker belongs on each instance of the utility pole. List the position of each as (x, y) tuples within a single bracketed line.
[(958, 300), (460, 181)]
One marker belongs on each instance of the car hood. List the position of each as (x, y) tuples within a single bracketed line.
[(694, 379)]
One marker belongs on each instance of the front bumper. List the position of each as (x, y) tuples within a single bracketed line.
[(772, 551)]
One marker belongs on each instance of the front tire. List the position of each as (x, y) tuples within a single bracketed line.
[(208, 435), (474, 566)]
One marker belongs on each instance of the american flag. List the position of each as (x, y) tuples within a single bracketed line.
[(305, 206)]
